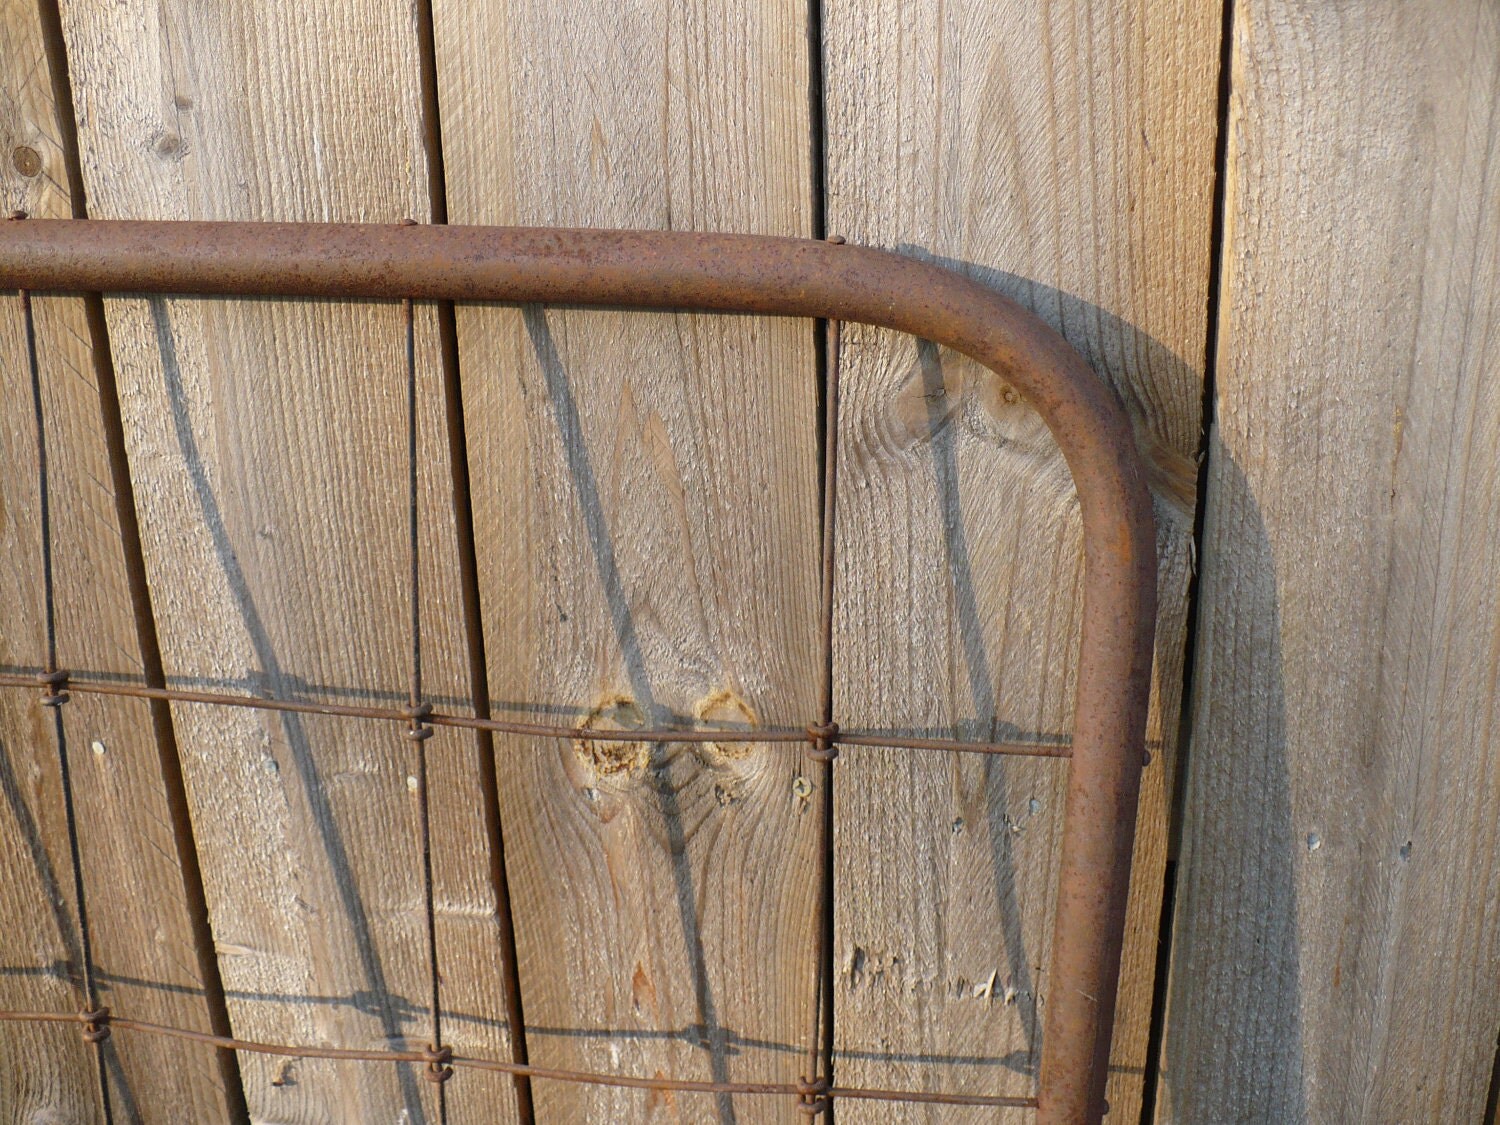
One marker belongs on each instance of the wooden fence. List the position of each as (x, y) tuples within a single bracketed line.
[(1273, 227)]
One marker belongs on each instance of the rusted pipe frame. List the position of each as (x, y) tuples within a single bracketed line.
[(775, 277)]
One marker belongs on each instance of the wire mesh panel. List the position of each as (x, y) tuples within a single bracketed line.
[(636, 269)]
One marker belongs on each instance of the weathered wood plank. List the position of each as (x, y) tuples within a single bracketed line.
[(1336, 946), (645, 502), (268, 443), (40, 939), (1062, 153), (144, 953)]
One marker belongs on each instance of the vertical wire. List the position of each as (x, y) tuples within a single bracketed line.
[(438, 1071), (830, 544), (95, 1019), (819, 1075), (468, 570)]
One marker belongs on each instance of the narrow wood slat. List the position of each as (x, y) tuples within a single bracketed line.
[(1336, 941), (142, 939), (1062, 153), (268, 444), (645, 504)]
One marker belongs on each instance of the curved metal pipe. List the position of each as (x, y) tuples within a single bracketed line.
[(778, 277)]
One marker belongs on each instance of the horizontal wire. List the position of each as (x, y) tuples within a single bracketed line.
[(543, 730), (591, 1078)]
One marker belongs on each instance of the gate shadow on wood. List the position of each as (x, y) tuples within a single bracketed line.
[(336, 850), (1245, 1064)]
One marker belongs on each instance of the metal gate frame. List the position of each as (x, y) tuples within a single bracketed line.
[(711, 272)]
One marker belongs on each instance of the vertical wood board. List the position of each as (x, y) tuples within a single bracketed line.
[(1063, 154), (1336, 953), (646, 513), (144, 957)]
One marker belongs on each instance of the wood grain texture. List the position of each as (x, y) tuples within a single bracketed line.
[(1337, 953), (267, 440), (1062, 153), (144, 956), (39, 942), (645, 503), (40, 937)]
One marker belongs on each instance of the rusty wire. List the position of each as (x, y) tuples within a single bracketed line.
[(775, 276), (813, 732), (823, 751), (467, 1062), (437, 1070)]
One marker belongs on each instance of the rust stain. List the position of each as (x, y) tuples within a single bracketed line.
[(643, 992), (661, 1098)]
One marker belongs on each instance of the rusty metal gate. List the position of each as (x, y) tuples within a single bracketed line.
[(719, 272)]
